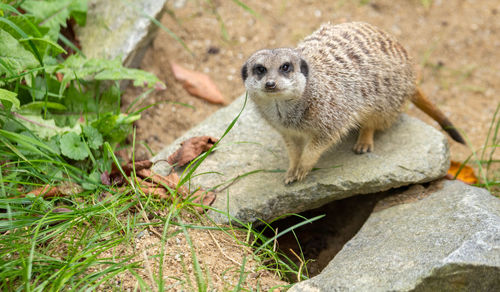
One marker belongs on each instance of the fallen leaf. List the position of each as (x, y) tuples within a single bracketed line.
[(465, 175), (159, 192), (143, 164), (171, 181), (61, 210), (198, 84), (190, 149), (59, 76), (203, 198), (47, 191), (105, 178)]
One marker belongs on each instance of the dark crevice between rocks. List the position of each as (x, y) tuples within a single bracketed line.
[(321, 240)]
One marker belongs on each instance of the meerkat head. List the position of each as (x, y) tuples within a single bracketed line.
[(277, 73)]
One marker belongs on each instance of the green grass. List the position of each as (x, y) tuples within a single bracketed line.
[(484, 159), (44, 250), (71, 242)]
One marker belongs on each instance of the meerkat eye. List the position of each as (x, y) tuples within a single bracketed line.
[(286, 67), (259, 69)]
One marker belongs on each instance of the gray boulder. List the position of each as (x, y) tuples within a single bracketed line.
[(448, 241), (117, 28), (247, 169)]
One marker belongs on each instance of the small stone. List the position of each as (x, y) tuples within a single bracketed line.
[(178, 257)]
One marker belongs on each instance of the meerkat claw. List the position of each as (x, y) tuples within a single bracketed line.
[(290, 176), (361, 148)]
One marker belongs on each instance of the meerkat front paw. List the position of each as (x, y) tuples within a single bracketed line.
[(360, 148), (365, 141), (297, 174)]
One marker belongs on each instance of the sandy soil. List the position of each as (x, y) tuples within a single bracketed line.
[(220, 258), (454, 44)]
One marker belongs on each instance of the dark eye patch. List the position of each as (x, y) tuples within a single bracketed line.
[(258, 69), (244, 73), (286, 67), (304, 68)]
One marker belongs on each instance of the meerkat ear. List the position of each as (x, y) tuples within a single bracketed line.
[(304, 68), (244, 72)]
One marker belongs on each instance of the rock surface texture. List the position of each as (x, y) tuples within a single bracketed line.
[(118, 28), (448, 241), (409, 152)]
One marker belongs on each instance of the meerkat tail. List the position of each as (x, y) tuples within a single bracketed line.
[(430, 109)]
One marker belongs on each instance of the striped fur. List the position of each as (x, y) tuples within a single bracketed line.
[(340, 78)]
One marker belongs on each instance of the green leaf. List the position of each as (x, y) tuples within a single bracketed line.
[(94, 180), (15, 58), (25, 23), (45, 129), (76, 67), (140, 77), (39, 105), (57, 49), (54, 13), (73, 147), (110, 100), (26, 141), (8, 99), (115, 128), (94, 138)]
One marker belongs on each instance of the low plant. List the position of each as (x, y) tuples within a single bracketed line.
[(60, 123)]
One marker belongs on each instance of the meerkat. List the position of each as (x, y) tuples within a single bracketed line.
[(340, 78)]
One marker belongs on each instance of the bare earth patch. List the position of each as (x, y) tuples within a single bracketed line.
[(220, 257)]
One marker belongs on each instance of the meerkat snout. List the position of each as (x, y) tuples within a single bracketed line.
[(270, 84)]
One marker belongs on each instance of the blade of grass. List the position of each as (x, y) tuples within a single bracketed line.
[(200, 281)]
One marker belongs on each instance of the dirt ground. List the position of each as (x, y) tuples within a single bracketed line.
[(455, 46)]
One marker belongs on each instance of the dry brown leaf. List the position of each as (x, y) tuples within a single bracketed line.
[(198, 84), (466, 175), (158, 192), (203, 198), (190, 149), (171, 181), (47, 191), (143, 164), (105, 178)]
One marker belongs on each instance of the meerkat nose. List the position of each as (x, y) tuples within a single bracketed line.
[(270, 84)]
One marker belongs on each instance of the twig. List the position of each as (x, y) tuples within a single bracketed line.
[(148, 266), (301, 265), (275, 239), (143, 214), (220, 249)]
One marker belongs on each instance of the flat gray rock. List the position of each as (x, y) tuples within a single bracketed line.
[(409, 152), (117, 28), (448, 241)]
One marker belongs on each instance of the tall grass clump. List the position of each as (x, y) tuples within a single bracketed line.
[(57, 112), (60, 124)]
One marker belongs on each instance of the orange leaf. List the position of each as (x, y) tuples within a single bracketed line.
[(198, 84), (466, 174)]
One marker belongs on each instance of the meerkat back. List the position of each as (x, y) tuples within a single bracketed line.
[(363, 71)]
